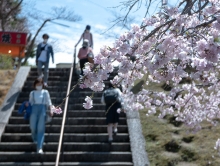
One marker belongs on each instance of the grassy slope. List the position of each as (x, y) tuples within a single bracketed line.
[(169, 143), (7, 78)]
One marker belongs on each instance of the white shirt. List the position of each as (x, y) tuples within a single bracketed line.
[(37, 96), (43, 55)]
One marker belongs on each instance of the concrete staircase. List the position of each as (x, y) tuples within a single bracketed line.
[(85, 137)]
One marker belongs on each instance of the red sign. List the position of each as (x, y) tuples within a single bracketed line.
[(13, 38)]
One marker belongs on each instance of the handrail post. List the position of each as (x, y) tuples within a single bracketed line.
[(65, 110), (74, 62)]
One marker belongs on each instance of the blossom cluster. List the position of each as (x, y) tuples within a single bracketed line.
[(56, 110), (179, 46)]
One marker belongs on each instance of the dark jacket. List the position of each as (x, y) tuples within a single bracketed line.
[(22, 108), (49, 52)]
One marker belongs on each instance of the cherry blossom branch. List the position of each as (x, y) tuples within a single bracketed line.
[(67, 95)]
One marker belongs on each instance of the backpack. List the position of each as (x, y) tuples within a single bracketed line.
[(110, 96)]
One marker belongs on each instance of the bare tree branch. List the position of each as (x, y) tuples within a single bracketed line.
[(63, 13), (13, 9), (59, 13), (6, 11)]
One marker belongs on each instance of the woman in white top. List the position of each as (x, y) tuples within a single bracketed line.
[(86, 35), (39, 100)]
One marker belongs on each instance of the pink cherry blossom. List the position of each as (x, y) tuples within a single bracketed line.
[(89, 103), (171, 46), (56, 110), (119, 110)]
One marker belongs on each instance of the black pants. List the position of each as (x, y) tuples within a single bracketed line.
[(82, 63)]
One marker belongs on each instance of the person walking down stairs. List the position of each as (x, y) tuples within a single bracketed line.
[(39, 100), (113, 100), (44, 51)]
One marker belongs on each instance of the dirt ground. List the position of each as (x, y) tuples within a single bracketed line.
[(7, 78)]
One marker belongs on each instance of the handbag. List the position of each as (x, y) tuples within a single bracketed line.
[(48, 118)]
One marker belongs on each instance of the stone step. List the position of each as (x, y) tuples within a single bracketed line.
[(66, 69), (68, 137), (50, 83), (24, 128), (96, 106), (50, 78), (55, 73), (72, 100), (34, 69), (67, 156), (78, 113), (70, 121), (54, 100), (57, 76), (56, 82), (51, 73), (52, 89), (57, 91), (67, 164), (68, 146)]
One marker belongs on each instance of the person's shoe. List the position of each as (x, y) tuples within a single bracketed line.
[(115, 131), (45, 84), (110, 141), (40, 151)]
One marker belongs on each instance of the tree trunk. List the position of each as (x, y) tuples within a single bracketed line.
[(3, 25)]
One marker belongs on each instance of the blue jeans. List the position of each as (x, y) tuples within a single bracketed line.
[(46, 70), (37, 124)]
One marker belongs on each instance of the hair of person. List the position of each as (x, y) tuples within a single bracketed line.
[(45, 35), (110, 85), (88, 27), (38, 81)]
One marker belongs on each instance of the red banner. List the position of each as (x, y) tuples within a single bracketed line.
[(13, 38)]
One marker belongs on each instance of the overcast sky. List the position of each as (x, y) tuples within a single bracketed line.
[(97, 13)]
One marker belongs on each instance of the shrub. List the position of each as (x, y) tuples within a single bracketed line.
[(6, 62)]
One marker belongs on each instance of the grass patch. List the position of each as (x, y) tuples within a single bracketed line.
[(170, 143), (6, 62)]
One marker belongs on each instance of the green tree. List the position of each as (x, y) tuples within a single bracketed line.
[(10, 16), (11, 19)]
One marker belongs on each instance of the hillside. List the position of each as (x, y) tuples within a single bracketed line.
[(7, 78), (170, 143)]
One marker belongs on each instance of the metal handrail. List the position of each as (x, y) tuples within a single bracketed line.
[(72, 70)]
